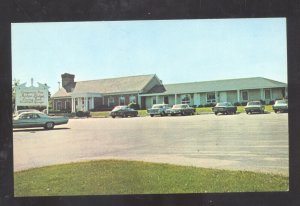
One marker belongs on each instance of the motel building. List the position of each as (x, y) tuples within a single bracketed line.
[(146, 90)]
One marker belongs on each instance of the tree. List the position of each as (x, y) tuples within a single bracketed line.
[(15, 83)]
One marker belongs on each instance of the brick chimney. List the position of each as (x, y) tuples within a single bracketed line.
[(68, 81)]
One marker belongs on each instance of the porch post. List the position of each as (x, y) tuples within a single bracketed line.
[(261, 94), (238, 95), (93, 105), (175, 98), (85, 104)]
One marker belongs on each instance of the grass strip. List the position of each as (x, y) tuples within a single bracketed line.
[(135, 177)]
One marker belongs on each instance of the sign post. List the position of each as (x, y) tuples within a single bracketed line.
[(32, 96)]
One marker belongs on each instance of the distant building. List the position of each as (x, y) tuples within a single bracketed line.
[(147, 90)]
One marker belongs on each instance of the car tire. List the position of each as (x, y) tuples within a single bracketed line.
[(151, 115), (275, 111), (216, 113), (49, 125), (113, 116)]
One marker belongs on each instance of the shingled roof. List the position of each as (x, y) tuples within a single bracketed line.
[(128, 84), (221, 85), (61, 93)]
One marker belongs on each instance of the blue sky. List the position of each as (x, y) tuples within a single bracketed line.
[(176, 50)]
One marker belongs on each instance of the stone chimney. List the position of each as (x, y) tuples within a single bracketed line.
[(68, 81)]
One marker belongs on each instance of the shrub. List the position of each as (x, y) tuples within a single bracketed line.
[(237, 104), (83, 114), (271, 102), (210, 105), (243, 103), (262, 102)]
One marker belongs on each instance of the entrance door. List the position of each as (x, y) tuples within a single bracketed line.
[(223, 97)]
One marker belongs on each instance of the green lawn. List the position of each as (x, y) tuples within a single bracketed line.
[(133, 177)]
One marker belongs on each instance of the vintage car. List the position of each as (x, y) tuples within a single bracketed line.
[(224, 108), (182, 109), (280, 106), (158, 109), (24, 110), (254, 107), (37, 119), (123, 111)]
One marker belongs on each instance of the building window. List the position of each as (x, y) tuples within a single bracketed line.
[(132, 99), (111, 101), (67, 105), (211, 97), (267, 94), (58, 105), (245, 95), (153, 100), (122, 100), (185, 99), (166, 100)]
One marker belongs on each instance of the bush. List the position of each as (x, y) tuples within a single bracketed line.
[(83, 114), (237, 104), (210, 105), (243, 103), (272, 102), (262, 102), (200, 105)]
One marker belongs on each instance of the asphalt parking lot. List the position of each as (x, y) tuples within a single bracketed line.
[(257, 142)]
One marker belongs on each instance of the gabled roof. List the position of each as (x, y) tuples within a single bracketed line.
[(119, 85), (114, 85), (61, 93), (222, 85)]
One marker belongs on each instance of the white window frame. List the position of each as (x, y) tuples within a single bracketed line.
[(154, 100), (188, 96), (60, 103), (210, 100), (270, 94), (122, 100), (109, 101), (132, 99), (243, 95)]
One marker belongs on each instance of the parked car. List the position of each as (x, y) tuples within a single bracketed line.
[(254, 107), (224, 108), (281, 106), (158, 109), (37, 119), (182, 109), (123, 111), (24, 110)]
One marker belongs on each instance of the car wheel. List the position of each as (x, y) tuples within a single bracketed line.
[(162, 114), (151, 115), (113, 116), (275, 111), (49, 125), (216, 113), (182, 113)]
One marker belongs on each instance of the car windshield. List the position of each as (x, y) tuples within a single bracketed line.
[(253, 103), (281, 102), (222, 104), (178, 106), (119, 108)]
